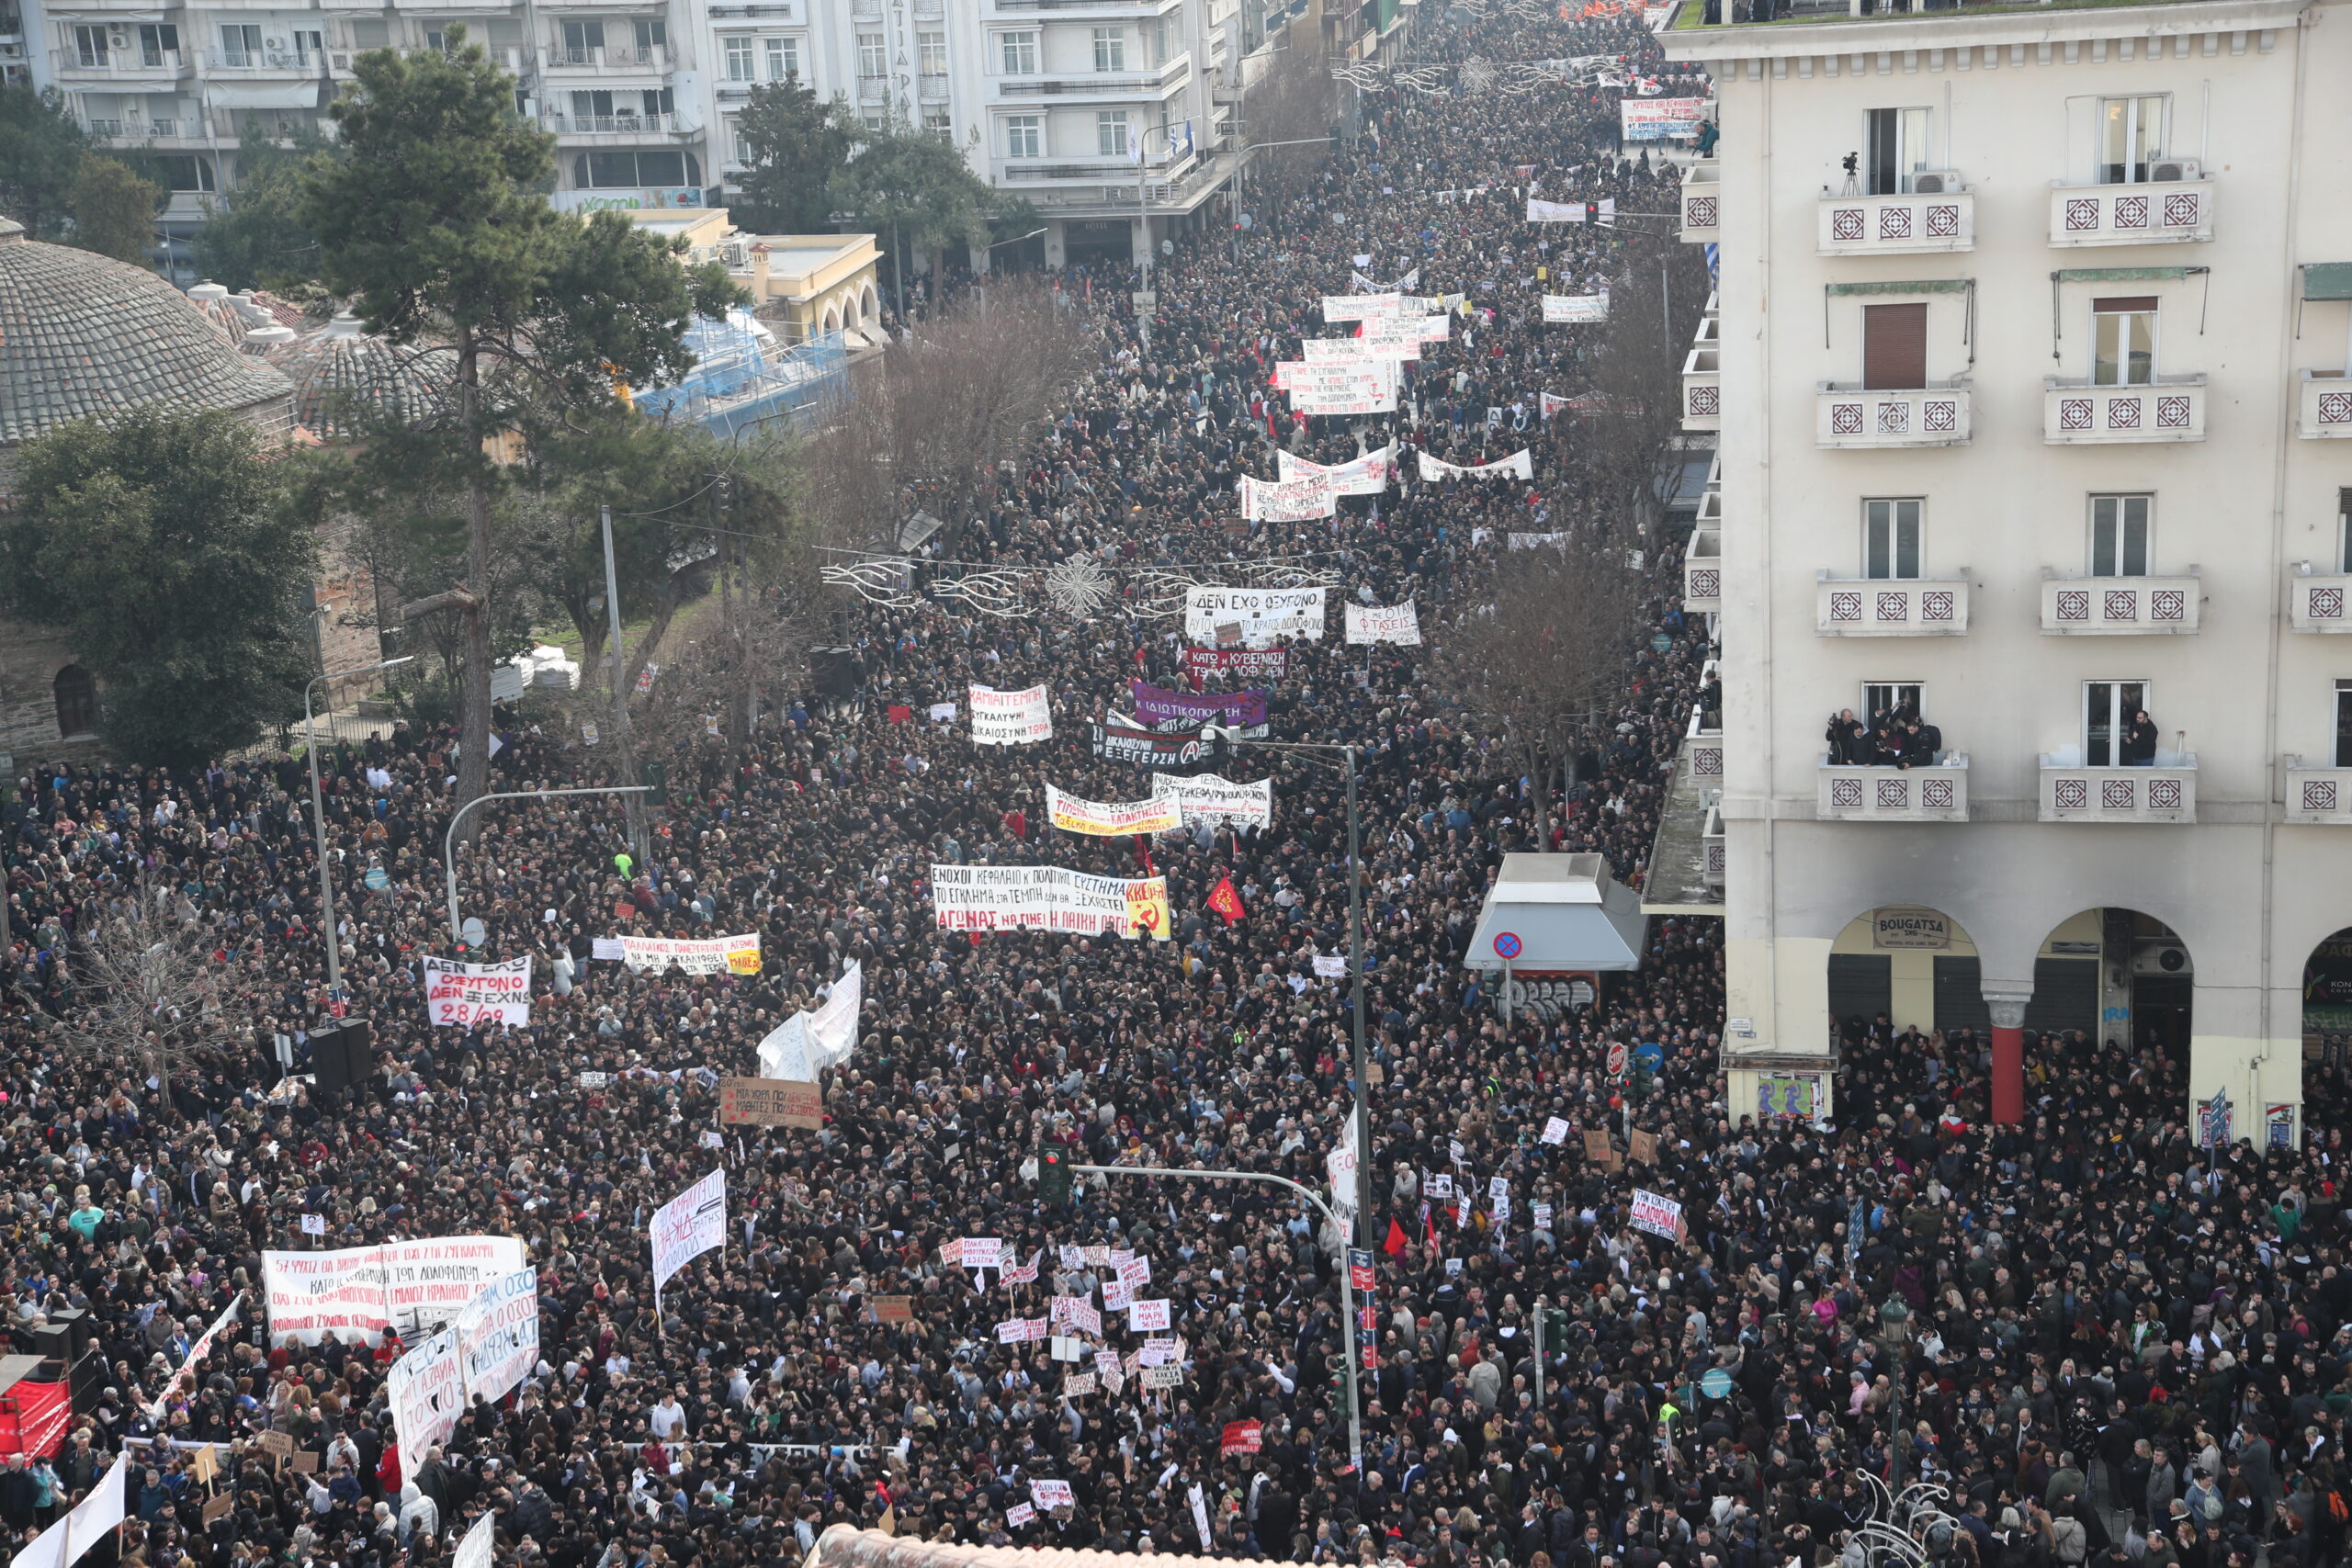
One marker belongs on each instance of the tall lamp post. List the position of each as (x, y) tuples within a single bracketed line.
[(449, 834), (319, 814), (1363, 1112), (1894, 1332)]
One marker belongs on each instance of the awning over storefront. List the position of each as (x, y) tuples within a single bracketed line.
[(1548, 913), (2327, 280)]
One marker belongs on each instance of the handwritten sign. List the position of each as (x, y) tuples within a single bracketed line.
[(1596, 1146), (1144, 1317), (891, 1309), (1161, 1377), (770, 1102), (1645, 1147), (1556, 1130)]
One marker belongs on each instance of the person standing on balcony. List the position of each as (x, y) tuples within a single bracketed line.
[(2140, 741)]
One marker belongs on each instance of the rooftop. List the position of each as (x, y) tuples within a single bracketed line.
[(1837, 26)]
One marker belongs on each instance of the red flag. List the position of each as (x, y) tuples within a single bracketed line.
[(1396, 1242), (1225, 901)]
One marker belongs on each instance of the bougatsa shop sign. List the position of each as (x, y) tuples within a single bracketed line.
[(1909, 928)]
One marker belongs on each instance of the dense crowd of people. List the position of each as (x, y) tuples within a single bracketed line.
[(2109, 1341)]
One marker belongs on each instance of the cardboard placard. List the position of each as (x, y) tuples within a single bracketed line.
[(205, 1464), (305, 1462), (1162, 1377), (278, 1446), (891, 1309), (218, 1507), (1645, 1147), (1596, 1146), (770, 1102)]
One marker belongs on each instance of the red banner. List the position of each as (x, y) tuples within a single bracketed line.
[(1240, 1438)]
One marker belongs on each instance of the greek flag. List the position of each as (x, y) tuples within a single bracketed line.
[(1714, 262)]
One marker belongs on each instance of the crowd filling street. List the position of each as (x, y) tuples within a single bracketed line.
[(2100, 1340)]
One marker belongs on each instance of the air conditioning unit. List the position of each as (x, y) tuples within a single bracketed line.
[(274, 44), (2161, 958), (1935, 182), (339, 62), (118, 38), (2169, 170)]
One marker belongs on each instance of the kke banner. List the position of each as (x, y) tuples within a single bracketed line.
[(1246, 664), (1295, 502), (462, 995), (1047, 897), (1264, 613), (1207, 800), (1009, 718), (1399, 623), (687, 1226), (1151, 748), (1518, 466), (713, 955), (1110, 818), (1156, 706), (1367, 475), (1660, 119), (1657, 1214), (1573, 308), (356, 1293), (498, 1335)]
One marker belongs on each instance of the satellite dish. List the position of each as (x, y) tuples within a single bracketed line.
[(472, 933)]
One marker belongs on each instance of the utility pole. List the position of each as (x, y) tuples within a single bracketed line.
[(637, 837)]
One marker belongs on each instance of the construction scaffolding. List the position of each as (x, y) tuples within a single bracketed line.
[(744, 378)]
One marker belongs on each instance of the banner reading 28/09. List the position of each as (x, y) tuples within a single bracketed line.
[(458, 996)]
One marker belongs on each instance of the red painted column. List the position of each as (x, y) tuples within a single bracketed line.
[(2008, 1007)]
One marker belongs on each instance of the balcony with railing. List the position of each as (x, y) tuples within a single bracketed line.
[(1702, 573), (2120, 607), (590, 59), (283, 62), (611, 125), (932, 86), (1928, 416), (2155, 212), (2075, 414), (1890, 606), (1932, 794), (2318, 797), (1701, 200), (1170, 75), (1703, 749), (119, 64), (1915, 224), (2319, 600), (2324, 411), (1703, 389), (1711, 842), (2163, 793), (874, 89)]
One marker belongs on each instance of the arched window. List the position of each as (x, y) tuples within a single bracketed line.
[(77, 703)]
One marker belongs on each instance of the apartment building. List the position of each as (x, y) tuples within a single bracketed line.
[(1051, 98), (2027, 372)]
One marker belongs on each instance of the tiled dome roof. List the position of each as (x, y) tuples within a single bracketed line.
[(81, 335), (343, 378)]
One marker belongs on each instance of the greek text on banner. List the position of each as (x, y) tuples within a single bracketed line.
[(712, 955), (1110, 818), (1047, 897), (460, 995), (1009, 718)]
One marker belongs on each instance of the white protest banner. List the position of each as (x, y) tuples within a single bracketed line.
[(1024, 1273), (1550, 405), (1021, 1513), (1340, 1170), (1161, 1351), (1338, 351), (1572, 307), (1556, 1130), (1116, 1297), (498, 1335), (1261, 501), (1162, 1377), (1659, 119), (1437, 1185), (1356, 306), (942, 713), (462, 995), (1111, 818), (706, 955), (1331, 966), (354, 1293), (1367, 475), (1052, 1495), (1337, 374), (478, 1547), (1009, 718), (1020, 1330), (1657, 1214), (977, 1252), (808, 1043), (1200, 1517), (1540, 1215), (1207, 800), (687, 1226), (1136, 1273), (1519, 541), (1554, 211), (1399, 623), (1392, 338), (87, 1527), (1047, 897), (427, 1388), (1078, 1383), (1519, 465), (1144, 1317), (608, 948), (1262, 612), (1374, 391)]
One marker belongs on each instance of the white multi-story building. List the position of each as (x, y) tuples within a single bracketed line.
[(2028, 371), (1046, 97)]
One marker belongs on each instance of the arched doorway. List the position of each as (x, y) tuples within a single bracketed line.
[(2327, 996), (831, 324), (2115, 975), (76, 692), (869, 304), (1905, 967), (851, 317)]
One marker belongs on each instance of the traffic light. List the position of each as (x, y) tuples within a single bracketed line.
[(656, 778), (1052, 1176)]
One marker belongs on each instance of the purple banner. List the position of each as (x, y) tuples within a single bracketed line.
[(1156, 704)]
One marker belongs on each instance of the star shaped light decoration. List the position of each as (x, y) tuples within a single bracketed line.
[(1079, 587), (1477, 75)]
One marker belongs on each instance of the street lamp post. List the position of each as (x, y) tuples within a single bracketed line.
[(1894, 1331), (319, 817), (982, 288), (449, 834), (1347, 1288), (1363, 1111)]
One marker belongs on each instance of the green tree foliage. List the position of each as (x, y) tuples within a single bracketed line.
[(41, 157), (914, 189), (161, 549), (257, 236), (794, 143), (435, 227), (114, 210)]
